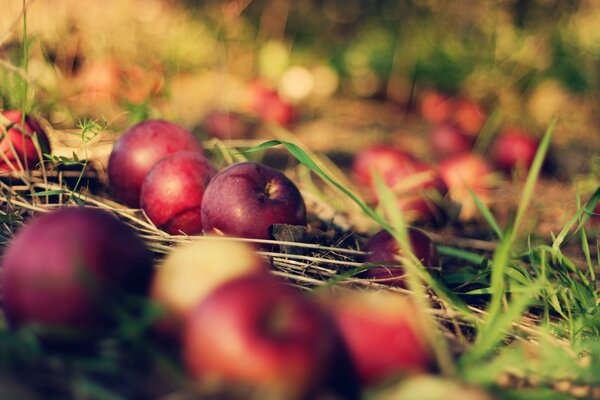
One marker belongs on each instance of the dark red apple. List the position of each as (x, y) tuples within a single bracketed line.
[(464, 172), (469, 116), (419, 191), (173, 189), (449, 140), (138, 149), (226, 125), (436, 107), (383, 331), (22, 142), (245, 199), (60, 268), (383, 249), (514, 148), (258, 332), (379, 159)]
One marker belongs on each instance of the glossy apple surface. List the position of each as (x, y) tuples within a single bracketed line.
[(384, 249), (61, 266), (172, 192), (514, 149), (192, 270), (467, 172), (259, 332), (379, 159), (383, 333), (245, 199), (138, 149), (21, 143)]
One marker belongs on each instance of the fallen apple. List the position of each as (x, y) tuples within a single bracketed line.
[(383, 332), (266, 103), (464, 173), (245, 199), (378, 159), (192, 270), (258, 332), (436, 107), (514, 148), (469, 116), (384, 250), (60, 268), (138, 149), (172, 192), (449, 140), (226, 125), (22, 144)]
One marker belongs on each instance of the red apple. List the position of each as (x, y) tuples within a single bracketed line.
[(379, 159), (469, 116), (245, 199), (436, 107), (21, 141), (61, 267), (419, 191), (514, 148), (265, 102), (226, 125), (464, 172), (258, 332), (172, 192), (449, 140), (383, 332), (384, 249), (193, 270), (138, 149)]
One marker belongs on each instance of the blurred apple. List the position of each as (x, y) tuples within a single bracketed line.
[(138, 149), (245, 199), (264, 102), (258, 332), (449, 140), (383, 249), (226, 125), (192, 270), (383, 332), (467, 172), (379, 159), (469, 116), (21, 143), (61, 267), (436, 107), (172, 192), (100, 81), (514, 148)]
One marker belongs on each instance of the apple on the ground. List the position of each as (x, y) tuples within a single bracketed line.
[(138, 149), (61, 267), (172, 192), (514, 148), (226, 125), (449, 140), (245, 199), (378, 159), (22, 145), (436, 108)]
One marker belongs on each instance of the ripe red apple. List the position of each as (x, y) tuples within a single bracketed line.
[(21, 141), (172, 192), (449, 140), (258, 332), (380, 159), (436, 107), (138, 149), (225, 125), (469, 116), (192, 270), (60, 268), (514, 148), (383, 332), (245, 199), (266, 103), (384, 249), (464, 172), (419, 191)]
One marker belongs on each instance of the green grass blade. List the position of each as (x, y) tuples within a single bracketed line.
[(487, 214)]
